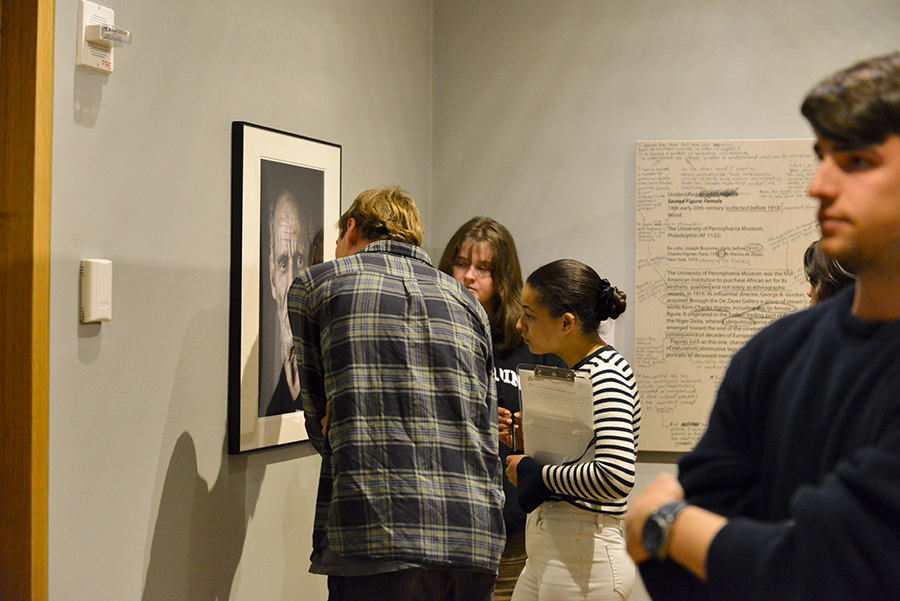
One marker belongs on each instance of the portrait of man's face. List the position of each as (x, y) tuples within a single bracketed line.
[(292, 198), (287, 257)]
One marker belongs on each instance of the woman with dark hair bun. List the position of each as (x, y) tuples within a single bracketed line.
[(574, 537), (482, 256)]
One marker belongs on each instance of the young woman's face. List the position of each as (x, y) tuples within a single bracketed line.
[(471, 268), (541, 332)]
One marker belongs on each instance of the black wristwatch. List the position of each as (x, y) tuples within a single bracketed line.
[(658, 529)]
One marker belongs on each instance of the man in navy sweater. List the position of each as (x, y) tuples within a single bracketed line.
[(793, 492)]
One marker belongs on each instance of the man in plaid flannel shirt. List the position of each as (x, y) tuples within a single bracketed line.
[(396, 367)]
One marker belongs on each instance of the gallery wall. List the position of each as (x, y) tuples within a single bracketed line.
[(144, 502), (523, 110)]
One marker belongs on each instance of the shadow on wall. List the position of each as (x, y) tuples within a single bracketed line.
[(197, 535), (200, 527), (200, 531)]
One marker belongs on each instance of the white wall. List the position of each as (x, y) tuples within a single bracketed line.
[(535, 107), (144, 502)]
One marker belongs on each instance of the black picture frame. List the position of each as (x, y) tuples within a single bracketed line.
[(285, 205)]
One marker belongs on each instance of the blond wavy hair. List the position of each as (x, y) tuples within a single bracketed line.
[(384, 214)]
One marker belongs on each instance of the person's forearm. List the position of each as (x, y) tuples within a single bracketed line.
[(692, 531), (692, 534)]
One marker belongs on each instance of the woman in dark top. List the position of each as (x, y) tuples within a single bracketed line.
[(481, 256)]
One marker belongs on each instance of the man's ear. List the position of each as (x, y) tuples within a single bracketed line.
[(352, 233)]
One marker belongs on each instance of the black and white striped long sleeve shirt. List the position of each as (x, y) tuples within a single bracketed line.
[(603, 484)]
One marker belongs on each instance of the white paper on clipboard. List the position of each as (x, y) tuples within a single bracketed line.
[(557, 414)]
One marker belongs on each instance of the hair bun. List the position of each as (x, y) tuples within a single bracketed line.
[(612, 300)]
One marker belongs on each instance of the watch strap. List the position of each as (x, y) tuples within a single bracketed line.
[(664, 516), (670, 510)]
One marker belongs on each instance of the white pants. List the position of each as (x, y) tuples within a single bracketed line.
[(574, 555)]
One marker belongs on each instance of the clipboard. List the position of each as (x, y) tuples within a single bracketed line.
[(557, 414)]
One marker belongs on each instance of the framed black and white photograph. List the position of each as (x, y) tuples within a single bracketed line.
[(285, 205)]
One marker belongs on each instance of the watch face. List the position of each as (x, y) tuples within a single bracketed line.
[(652, 536)]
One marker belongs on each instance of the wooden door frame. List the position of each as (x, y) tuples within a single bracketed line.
[(26, 127)]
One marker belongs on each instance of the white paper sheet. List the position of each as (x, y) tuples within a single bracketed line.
[(557, 415)]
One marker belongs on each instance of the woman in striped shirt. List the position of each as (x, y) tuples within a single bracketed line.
[(574, 538)]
